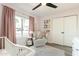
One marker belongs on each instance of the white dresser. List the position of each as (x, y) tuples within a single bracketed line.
[(75, 47)]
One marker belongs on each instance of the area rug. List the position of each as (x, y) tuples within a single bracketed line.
[(48, 51)]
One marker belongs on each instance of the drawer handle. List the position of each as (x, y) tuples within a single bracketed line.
[(77, 49)]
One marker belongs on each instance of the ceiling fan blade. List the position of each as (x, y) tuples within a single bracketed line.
[(51, 5), (37, 6)]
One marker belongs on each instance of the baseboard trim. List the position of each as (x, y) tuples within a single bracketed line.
[(57, 44)]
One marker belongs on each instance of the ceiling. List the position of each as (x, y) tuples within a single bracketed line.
[(44, 10)]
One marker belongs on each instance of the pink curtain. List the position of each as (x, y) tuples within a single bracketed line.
[(31, 24), (8, 28)]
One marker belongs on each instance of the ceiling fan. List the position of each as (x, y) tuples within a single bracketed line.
[(47, 4)]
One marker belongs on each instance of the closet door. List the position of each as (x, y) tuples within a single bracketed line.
[(69, 30), (58, 31)]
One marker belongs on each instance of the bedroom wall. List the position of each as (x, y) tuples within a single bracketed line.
[(38, 24), (61, 14)]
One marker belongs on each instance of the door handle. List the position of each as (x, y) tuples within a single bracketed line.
[(62, 32)]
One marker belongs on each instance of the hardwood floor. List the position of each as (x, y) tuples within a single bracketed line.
[(68, 50)]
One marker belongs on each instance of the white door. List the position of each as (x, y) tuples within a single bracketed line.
[(58, 31), (69, 29)]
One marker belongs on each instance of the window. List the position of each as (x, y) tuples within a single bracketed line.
[(22, 26)]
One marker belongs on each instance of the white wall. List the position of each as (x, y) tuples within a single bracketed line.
[(62, 14), (38, 24)]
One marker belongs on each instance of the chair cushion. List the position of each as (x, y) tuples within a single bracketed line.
[(40, 42)]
